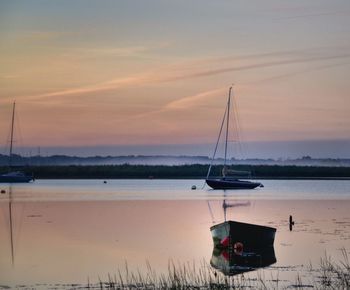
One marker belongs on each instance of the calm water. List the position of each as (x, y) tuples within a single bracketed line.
[(69, 231)]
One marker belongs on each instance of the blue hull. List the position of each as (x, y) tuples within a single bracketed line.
[(221, 183), (15, 178)]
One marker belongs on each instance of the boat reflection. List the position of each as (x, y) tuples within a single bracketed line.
[(232, 262)]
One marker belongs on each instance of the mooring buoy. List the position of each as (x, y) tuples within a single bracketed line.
[(291, 223)]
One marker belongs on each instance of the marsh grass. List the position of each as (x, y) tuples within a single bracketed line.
[(334, 275), (328, 275)]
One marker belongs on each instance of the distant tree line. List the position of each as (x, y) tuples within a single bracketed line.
[(63, 160), (194, 171)]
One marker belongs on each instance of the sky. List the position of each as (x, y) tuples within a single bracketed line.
[(135, 74)]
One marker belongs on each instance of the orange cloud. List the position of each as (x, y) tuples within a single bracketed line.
[(169, 74)]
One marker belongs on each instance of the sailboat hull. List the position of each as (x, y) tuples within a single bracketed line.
[(221, 183), (15, 178)]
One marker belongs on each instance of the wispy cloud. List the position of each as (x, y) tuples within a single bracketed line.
[(187, 103), (309, 15), (8, 77), (206, 73), (105, 86), (299, 72), (40, 36), (120, 51), (190, 102)]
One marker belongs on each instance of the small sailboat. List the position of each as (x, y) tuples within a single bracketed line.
[(226, 182), (14, 176)]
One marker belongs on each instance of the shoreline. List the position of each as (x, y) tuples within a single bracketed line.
[(195, 178), (193, 171)]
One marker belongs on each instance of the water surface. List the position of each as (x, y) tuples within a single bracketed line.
[(72, 231)]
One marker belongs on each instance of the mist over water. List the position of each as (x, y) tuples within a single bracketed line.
[(243, 150)]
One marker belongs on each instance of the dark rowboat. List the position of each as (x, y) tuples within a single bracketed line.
[(241, 247), (250, 236)]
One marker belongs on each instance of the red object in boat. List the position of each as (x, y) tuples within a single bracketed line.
[(225, 242), (226, 255), (238, 248)]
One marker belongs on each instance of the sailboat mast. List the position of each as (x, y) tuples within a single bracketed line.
[(227, 124), (12, 128)]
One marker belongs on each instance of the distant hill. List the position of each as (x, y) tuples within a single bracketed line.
[(57, 160)]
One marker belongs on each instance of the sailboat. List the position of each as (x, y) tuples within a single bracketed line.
[(226, 182), (14, 176)]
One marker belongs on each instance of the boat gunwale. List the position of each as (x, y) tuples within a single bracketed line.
[(243, 224)]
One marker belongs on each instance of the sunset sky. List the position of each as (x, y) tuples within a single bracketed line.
[(136, 73)]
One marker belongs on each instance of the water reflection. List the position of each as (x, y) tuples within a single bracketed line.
[(11, 227), (9, 219), (10, 222), (231, 262)]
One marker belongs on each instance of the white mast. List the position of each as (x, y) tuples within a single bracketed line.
[(12, 128), (227, 126)]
